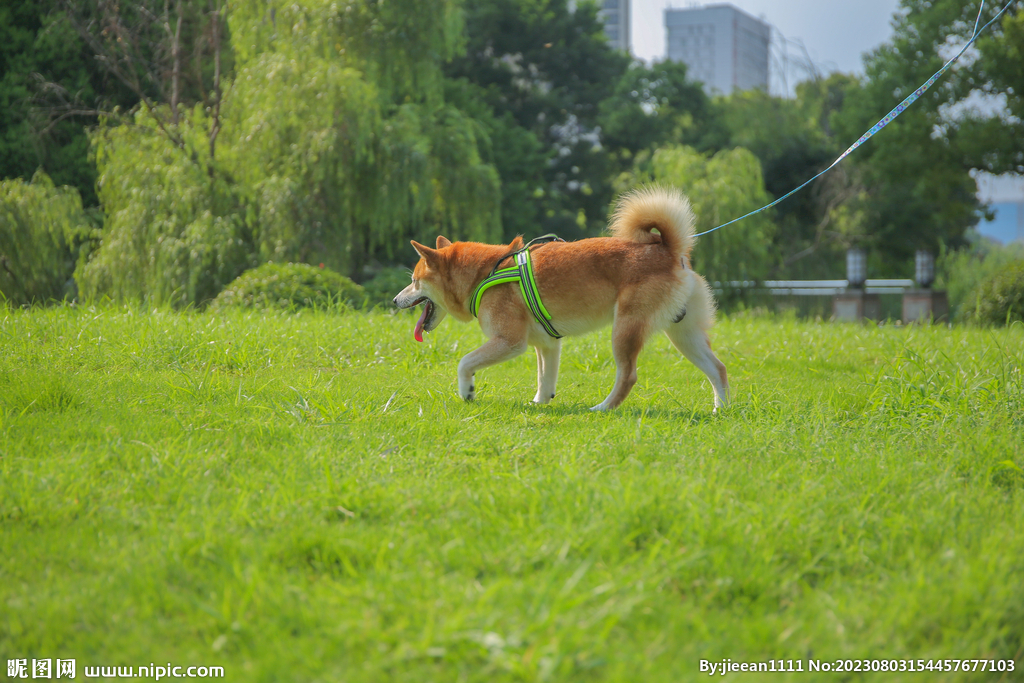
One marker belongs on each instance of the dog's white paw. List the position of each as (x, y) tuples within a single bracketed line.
[(543, 399), (467, 388), (600, 408)]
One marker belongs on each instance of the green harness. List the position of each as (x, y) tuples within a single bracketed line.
[(521, 273)]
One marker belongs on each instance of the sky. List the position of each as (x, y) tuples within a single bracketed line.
[(835, 32)]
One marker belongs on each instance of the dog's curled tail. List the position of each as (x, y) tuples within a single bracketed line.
[(655, 208)]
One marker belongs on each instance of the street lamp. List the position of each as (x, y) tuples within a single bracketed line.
[(856, 267), (924, 268)]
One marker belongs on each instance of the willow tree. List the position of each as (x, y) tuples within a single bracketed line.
[(174, 233), (721, 187), (41, 227), (344, 141), (333, 144)]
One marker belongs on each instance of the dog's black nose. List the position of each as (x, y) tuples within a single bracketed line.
[(395, 300)]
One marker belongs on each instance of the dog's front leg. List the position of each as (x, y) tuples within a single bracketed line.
[(495, 351), (547, 370)]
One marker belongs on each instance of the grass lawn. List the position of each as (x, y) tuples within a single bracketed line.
[(305, 498)]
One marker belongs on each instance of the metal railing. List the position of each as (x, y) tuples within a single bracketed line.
[(816, 287)]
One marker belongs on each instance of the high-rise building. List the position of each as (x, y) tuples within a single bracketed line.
[(724, 47), (615, 16)]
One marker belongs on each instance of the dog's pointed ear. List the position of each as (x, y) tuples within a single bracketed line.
[(517, 243), (443, 242), (428, 254)]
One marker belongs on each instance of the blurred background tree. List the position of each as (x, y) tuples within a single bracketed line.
[(210, 139), (41, 228), (793, 139), (980, 104), (50, 89), (344, 141), (721, 186), (918, 191), (542, 71), (566, 112), (328, 141)]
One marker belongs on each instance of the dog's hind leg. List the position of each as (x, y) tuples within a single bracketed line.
[(628, 337), (494, 351), (693, 342), (547, 370)]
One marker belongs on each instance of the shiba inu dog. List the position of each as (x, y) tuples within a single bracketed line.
[(638, 280)]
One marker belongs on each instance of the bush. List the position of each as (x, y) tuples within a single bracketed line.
[(41, 227), (999, 299), (383, 287), (960, 272), (289, 286)]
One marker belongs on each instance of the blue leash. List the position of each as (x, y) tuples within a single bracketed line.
[(885, 120)]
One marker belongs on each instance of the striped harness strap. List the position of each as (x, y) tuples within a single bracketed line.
[(521, 273)]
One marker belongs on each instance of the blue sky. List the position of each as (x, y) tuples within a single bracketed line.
[(1005, 227)]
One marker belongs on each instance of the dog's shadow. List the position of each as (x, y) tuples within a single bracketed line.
[(692, 417)]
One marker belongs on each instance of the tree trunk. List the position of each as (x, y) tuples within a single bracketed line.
[(215, 125), (176, 73)]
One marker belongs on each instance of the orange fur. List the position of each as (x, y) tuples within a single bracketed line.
[(637, 280)]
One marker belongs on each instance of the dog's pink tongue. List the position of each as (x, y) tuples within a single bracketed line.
[(419, 324)]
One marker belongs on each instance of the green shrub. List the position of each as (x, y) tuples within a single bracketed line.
[(960, 272), (41, 227), (383, 287), (999, 299), (289, 286)]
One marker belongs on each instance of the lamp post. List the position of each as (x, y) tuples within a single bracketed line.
[(856, 268), (855, 304), (924, 304), (924, 268)]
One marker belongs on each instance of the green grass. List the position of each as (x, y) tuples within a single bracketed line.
[(304, 497)]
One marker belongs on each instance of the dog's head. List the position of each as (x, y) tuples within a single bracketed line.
[(427, 287), (445, 277)]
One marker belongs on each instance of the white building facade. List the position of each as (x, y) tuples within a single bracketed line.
[(614, 14), (724, 47)]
